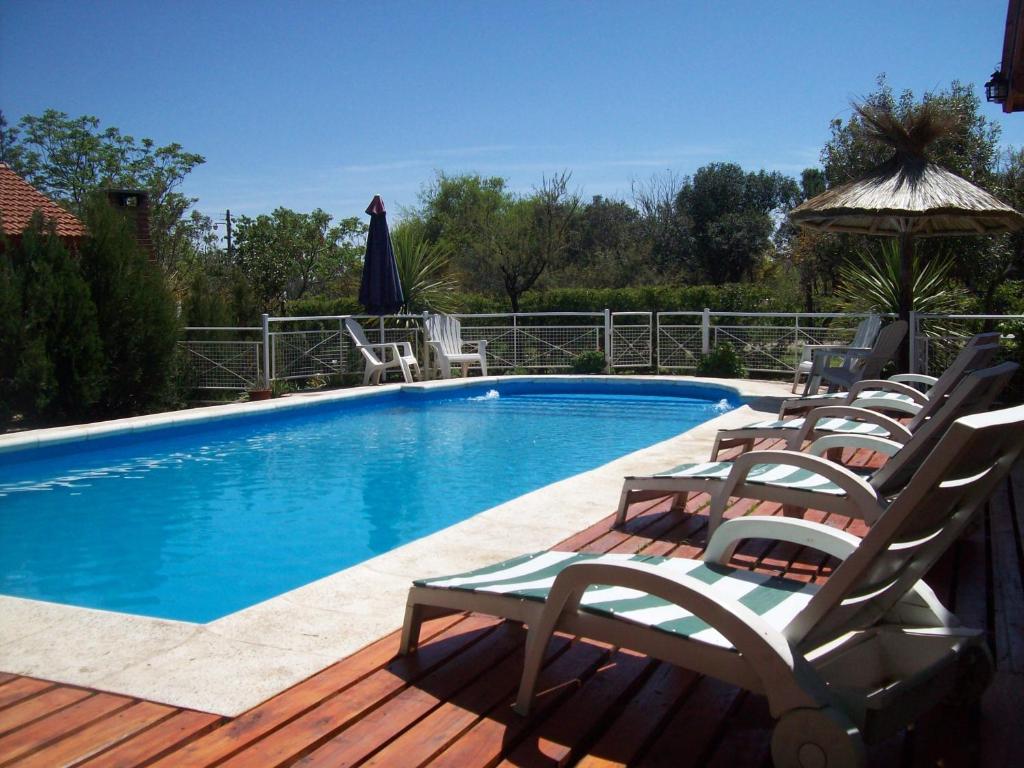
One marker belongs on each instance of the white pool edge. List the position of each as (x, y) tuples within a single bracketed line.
[(229, 665)]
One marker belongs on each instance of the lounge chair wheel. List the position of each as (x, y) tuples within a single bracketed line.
[(973, 675), (817, 738)]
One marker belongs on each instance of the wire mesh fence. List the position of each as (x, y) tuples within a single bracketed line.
[(300, 348)]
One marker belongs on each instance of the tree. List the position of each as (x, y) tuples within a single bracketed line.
[(732, 218), (666, 230), (68, 158), (533, 235), (287, 253), (461, 213), (135, 312)]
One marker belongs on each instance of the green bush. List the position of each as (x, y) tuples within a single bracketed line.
[(591, 361), (722, 362), (51, 363)]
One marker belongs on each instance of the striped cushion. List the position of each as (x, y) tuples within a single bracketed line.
[(530, 577), (780, 475), (832, 397), (846, 426)]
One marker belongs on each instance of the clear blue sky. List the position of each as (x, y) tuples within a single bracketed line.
[(309, 104)]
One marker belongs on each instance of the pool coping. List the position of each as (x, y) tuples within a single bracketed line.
[(229, 665)]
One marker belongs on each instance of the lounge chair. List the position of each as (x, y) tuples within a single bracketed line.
[(856, 364), (843, 664), (380, 358), (900, 392), (863, 338), (808, 481), (444, 338), (860, 411)]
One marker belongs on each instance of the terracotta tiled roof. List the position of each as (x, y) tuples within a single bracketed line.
[(19, 200)]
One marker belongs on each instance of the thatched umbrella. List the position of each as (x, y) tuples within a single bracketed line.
[(907, 196)]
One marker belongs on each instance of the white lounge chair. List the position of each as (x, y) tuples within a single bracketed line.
[(856, 364), (842, 664), (380, 358), (901, 391), (806, 480), (444, 338), (861, 410), (863, 338)]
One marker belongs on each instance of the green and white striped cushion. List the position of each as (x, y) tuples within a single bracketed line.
[(781, 475), (831, 397), (846, 426), (530, 577)]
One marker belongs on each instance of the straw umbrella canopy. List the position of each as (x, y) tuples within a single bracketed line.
[(908, 196)]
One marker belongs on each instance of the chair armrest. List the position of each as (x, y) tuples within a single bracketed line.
[(393, 346), (406, 348), (896, 430), (858, 491), (915, 378), (823, 538), (765, 648), (480, 344), (870, 442), (885, 385)]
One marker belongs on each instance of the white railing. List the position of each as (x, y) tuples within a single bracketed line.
[(765, 342), (302, 348)]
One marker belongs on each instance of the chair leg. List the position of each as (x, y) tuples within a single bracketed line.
[(368, 373), (679, 502), (446, 368)]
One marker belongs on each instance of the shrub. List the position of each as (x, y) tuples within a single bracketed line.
[(591, 361), (722, 362), (51, 364)]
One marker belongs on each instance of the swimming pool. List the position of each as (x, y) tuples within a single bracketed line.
[(199, 521)]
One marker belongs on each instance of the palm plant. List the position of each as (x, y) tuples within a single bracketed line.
[(423, 271), (873, 283)]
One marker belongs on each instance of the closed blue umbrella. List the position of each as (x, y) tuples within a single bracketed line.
[(380, 291)]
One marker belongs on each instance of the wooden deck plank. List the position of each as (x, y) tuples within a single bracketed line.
[(432, 734), (152, 743), (49, 729), (46, 703), (289, 704), (415, 702), (98, 737), (642, 719), (325, 720), (21, 688), (500, 731), (563, 733)]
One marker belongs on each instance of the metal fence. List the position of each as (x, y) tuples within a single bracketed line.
[(303, 348)]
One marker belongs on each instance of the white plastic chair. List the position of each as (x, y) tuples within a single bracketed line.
[(378, 362), (445, 342), (863, 338)]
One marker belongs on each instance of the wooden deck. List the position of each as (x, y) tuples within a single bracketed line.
[(449, 704)]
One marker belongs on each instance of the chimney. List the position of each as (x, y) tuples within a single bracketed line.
[(133, 204)]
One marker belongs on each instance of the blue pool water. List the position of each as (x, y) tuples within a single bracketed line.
[(196, 522)]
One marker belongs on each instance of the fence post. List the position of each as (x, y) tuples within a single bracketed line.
[(609, 348), (267, 378), (381, 324), (705, 331), (913, 341)]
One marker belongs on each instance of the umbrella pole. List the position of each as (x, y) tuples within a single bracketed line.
[(906, 299)]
